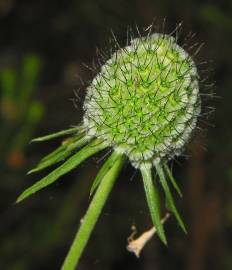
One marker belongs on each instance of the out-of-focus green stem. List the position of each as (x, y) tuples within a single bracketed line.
[(92, 215)]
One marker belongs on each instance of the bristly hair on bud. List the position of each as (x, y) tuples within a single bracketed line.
[(143, 104)]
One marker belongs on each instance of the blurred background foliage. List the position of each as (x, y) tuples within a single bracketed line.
[(19, 112), (42, 47)]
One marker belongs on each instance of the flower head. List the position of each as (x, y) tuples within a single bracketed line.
[(145, 100)]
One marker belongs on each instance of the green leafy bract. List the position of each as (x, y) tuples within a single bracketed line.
[(169, 197), (153, 202), (57, 134), (67, 166)]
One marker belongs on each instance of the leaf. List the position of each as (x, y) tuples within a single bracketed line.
[(66, 143), (62, 147), (104, 169), (92, 215), (172, 179), (169, 197), (57, 151), (57, 134), (67, 166), (153, 202), (61, 155)]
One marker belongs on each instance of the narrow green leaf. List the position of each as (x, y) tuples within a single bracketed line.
[(172, 179), (57, 151), (62, 147), (104, 169), (92, 215), (67, 166), (57, 134), (67, 150), (153, 202), (169, 197)]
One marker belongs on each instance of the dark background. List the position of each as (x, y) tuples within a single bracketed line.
[(42, 47)]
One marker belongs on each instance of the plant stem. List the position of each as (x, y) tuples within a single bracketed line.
[(92, 215)]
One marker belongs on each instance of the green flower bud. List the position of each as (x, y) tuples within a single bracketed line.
[(144, 102)]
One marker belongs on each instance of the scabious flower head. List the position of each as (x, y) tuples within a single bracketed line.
[(144, 102)]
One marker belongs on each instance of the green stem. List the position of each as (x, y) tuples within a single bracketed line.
[(91, 216)]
